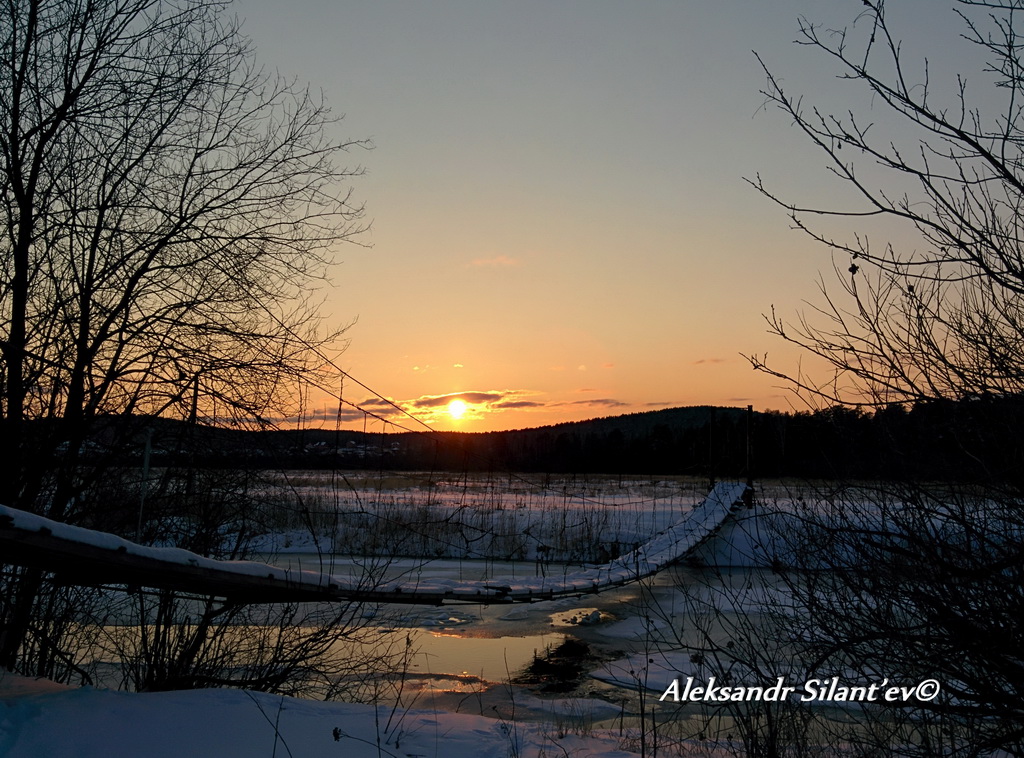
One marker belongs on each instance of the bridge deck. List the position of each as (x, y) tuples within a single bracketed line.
[(86, 557)]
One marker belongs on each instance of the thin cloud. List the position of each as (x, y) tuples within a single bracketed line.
[(513, 404), (710, 360), (431, 408), (603, 402), (436, 401), (377, 402), (320, 415)]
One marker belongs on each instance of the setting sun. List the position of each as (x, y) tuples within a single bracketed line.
[(457, 408)]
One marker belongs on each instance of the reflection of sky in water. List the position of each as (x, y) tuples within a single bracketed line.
[(466, 648), (493, 659)]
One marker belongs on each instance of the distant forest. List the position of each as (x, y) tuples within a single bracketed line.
[(968, 440)]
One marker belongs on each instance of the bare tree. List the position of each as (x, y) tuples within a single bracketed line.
[(922, 580), (886, 586), (166, 208), (911, 583), (945, 319)]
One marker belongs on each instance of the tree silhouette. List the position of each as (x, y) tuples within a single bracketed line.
[(923, 578), (944, 320), (166, 208)]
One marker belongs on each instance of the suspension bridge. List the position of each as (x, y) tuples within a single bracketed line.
[(79, 556)]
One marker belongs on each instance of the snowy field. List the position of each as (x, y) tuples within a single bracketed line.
[(523, 518), (41, 720), (460, 699)]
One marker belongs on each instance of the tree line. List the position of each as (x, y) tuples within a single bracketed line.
[(968, 440)]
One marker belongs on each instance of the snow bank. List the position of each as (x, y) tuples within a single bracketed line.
[(88, 723)]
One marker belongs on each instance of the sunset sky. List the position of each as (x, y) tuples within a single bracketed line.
[(560, 223)]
